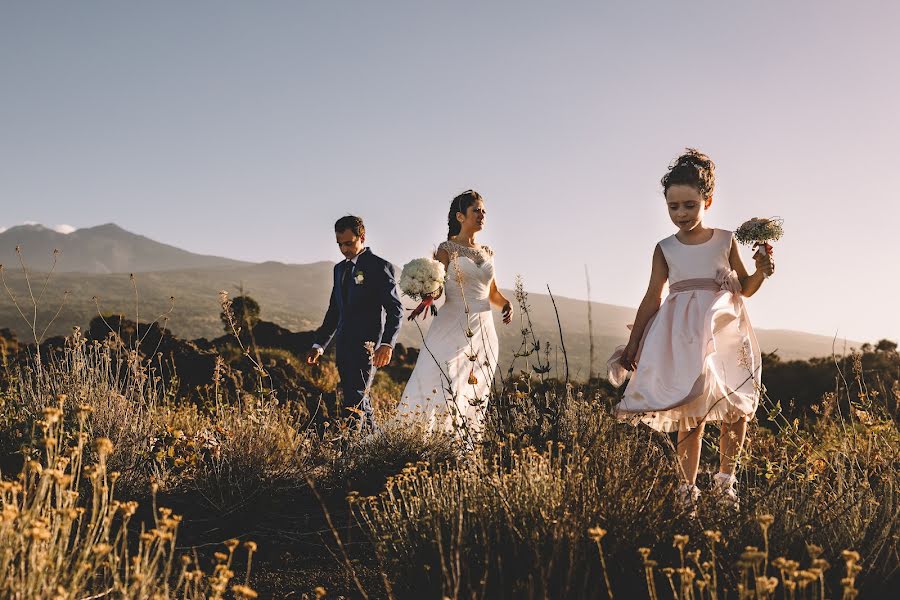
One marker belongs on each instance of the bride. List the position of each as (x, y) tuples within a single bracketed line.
[(449, 386)]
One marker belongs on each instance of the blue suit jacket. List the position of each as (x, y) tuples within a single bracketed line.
[(373, 310)]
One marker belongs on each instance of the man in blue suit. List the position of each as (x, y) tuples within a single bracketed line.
[(363, 316)]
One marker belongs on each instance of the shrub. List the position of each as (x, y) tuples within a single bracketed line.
[(513, 522), (58, 540)]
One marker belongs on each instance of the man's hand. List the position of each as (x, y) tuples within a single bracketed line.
[(382, 356), (312, 357)]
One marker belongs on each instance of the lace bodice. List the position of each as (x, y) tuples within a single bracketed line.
[(477, 255), (469, 277)]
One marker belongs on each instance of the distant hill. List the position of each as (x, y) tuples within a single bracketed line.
[(295, 296), (102, 249), (96, 262)]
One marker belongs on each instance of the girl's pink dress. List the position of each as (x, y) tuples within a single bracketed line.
[(699, 358)]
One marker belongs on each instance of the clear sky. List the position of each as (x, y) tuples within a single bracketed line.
[(246, 128)]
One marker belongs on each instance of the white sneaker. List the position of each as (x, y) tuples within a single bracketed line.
[(687, 497), (724, 485)]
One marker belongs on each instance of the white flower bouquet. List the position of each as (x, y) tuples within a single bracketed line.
[(759, 232), (423, 279)]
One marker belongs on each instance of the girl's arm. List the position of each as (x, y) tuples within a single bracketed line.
[(659, 273), (498, 299), (750, 284)]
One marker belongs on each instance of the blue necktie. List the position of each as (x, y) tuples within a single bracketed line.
[(345, 281)]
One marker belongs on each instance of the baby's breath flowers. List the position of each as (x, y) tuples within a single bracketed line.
[(759, 231)]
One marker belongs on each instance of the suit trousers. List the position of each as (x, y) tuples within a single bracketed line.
[(355, 368)]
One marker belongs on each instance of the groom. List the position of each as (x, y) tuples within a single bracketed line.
[(364, 310)]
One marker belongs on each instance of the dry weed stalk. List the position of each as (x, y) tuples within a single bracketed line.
[(510, 505), (57, 542)]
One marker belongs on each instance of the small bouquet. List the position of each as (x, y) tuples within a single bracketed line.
[(760, 232), (423, 279)]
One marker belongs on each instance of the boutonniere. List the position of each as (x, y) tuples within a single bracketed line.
[(359, 278)]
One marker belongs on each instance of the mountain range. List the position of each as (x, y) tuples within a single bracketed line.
[(95, 267), (102, 249)]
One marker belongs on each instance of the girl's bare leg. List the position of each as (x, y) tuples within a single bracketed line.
[(731, 441), (689, 443)]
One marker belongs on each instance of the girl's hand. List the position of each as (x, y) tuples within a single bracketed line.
[(629, 356), (765, 261), (507, 313)]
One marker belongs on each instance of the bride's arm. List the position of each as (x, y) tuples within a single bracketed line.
[(444, 257), (498, 299)]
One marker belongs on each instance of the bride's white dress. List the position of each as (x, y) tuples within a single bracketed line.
[(449, 386)]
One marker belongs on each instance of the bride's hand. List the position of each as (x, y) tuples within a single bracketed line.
[(426, 302), (507, 313)]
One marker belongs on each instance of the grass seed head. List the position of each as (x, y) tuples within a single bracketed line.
[(243, 591), (103, 446)]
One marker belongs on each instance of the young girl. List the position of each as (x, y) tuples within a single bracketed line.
[(695, 357)]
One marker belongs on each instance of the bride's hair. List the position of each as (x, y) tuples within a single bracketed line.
[(691, 168), (461, 204)]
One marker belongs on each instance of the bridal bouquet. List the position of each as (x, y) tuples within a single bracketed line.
[(423, 279), (760, 232)]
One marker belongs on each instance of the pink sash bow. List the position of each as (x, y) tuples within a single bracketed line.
[(726, 280)]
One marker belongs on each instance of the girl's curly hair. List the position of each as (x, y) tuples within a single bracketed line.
[(691, 168)]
